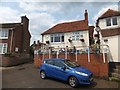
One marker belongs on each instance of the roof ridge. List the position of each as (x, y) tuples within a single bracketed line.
[(70, 22)]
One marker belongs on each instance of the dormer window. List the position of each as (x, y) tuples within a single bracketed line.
[(114, 21), (108, 21), (111, 21)]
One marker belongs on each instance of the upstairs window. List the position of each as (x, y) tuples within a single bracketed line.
[(108, 22), (114, 20), (111, 21), (57, 37), (3, 33), (3, 48)]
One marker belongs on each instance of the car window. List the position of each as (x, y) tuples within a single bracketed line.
[(49, 62), (71, 64), (58, 63)]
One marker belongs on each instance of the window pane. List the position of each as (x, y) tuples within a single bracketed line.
[(108, 22), (4, 48), (62, 38), (6, 33), (58, 64), (0, 48), (0, 33), (73, 37), (52, 38), (3, 33), (114, 20), (49, 62), (57, 38), (77, 37)]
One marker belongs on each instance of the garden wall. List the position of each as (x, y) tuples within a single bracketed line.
[(96, 64)]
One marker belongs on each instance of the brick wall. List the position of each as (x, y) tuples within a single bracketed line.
[(96, 64), (11, 61)]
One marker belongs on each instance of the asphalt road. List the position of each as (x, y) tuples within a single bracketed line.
[(27, 76)]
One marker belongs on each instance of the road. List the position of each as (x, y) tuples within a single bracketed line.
[(27, 76)]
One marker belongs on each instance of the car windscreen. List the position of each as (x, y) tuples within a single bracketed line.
[(71, 64)]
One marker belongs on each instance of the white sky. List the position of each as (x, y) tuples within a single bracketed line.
[(43, 14)]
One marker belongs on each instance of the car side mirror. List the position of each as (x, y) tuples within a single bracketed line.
[(64, 68)]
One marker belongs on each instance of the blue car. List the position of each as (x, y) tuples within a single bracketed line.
[(66, 70)]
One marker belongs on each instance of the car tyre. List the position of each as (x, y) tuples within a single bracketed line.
[(73, 82), (43, 74)]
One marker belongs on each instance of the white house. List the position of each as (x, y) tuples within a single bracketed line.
[(69, 34), (109, 23)]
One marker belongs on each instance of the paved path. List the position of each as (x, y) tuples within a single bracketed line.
[(27, 76)]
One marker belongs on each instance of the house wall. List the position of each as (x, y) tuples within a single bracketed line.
[(113, 46), (66, 42), (18, 36), (119, 48), (112, 40), (102, 23)]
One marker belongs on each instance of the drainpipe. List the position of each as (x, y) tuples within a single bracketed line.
[(11, 40)]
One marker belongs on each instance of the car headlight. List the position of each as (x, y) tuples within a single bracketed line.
[(81, 73)]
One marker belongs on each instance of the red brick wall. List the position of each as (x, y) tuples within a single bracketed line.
[(21, 36), (96, 64)]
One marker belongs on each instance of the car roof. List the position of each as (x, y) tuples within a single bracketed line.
[(55, 59)]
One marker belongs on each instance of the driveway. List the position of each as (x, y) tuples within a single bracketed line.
[(27, 76)]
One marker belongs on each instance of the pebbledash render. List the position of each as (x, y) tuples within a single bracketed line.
[(15, 38)]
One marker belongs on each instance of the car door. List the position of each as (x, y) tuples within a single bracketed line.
[(59, 72), (50, 68)]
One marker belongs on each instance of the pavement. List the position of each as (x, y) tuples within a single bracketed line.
[(27, 76)]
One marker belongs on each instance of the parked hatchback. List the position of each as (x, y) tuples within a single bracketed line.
[(66, 70)]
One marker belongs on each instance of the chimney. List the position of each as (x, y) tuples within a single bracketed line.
[(86, 15), (25, 22)]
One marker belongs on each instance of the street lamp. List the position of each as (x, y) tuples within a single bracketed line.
[(98, 35)]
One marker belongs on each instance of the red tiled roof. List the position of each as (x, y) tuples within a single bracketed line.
[(110, 13), (68, 27), (110, 32)]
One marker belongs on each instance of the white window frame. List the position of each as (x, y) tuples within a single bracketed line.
[(77, 35), (58, 34), (4, 32), (111, 21), (2, 46)]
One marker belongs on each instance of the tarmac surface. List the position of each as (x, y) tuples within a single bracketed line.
[(27, 76)]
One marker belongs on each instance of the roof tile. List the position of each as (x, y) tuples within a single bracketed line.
[(110, 13), (68, 27)]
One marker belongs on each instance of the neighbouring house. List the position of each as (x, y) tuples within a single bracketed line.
[(15, 38), (69, 34), (109, 24), (38, 46)]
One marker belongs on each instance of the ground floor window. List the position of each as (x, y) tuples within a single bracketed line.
[(57, 37), (3, 48)]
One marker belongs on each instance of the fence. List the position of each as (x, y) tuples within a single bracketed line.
[(96, 62)]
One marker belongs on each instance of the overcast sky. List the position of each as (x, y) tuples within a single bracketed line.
[(44, 15)]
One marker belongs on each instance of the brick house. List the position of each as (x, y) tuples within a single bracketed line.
[(76, 33), (15, 37)]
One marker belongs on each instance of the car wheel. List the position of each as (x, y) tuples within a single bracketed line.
[(73, 82), (43, 74)]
